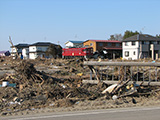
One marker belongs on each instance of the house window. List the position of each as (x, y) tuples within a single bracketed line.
[(158, 42), (144, 43), (91, 44), (117, 44), (133, 43), (126, 43), (134, 53), (151, 42), (38, 48), (86, 46), (101, 44), (109, 44), (126, 53)]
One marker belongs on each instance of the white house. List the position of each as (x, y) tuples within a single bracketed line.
[(141, 46), (70, 43), (38, 49), (18, 48), (25, 53)]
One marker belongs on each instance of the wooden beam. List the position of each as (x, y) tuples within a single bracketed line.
[(113, 82), (96, 63), (93, 70)]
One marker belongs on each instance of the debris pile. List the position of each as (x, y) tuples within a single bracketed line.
[(127, 84), (29, 89), (36, 89)]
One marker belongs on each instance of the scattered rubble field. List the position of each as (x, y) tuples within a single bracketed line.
[(47, 85)]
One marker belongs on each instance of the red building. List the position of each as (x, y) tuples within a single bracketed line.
[(77, 52)]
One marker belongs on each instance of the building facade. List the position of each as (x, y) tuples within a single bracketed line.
[(33, 51), (39, 50), (112, 48), (141, 46), (25, 53), (17, 50)]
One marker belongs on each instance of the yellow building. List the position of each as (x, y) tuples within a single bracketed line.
[(98, 45), (112, 47)]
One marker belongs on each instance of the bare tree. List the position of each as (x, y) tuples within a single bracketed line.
[(118, 37), (54, 50), (10, 41), (112, 37)]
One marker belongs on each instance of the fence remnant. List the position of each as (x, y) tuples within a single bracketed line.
[(146, 73)]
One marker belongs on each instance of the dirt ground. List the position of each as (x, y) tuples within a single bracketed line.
[(53, 85)]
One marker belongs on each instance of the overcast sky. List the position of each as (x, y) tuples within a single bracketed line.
[(30, 21)]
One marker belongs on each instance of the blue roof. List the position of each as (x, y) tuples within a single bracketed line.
[(76, 41)]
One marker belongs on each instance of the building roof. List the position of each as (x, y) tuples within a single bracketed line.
[(41, 44), (76, 42), (110, 41), (142, 37), (21, 45)]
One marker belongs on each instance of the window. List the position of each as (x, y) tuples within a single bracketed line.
[(117, 44), (134, 53), (39, 48), (133, 43), (101, 44), (86, 46), (144, 43), (126, 43), (126, 53), (158, 42), (91, 44), (109, 44), (151, 42)]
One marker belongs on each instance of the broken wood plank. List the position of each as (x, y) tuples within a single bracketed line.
[(96, 63), (120, 85), (93, 70), (114, 82)]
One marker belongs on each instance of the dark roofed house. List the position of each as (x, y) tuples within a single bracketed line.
[(72, 43), (32, 51), (41, 44), (39, 49), (22, 45), (141, 46), (19, 48), (142, 37), (4, 53)]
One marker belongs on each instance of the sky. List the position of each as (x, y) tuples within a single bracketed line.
[(58, 21)]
